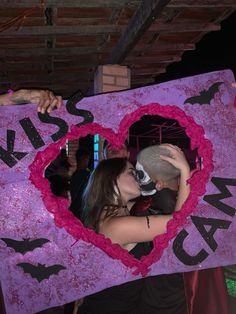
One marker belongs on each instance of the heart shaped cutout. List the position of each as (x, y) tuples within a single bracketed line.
[(59, 206)]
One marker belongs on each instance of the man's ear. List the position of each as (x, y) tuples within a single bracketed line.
[(159, 185)]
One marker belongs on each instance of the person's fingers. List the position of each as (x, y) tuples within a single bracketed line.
[(43, 105), (167, 158), (174, 162), (173, 149), (43, 100), (52, 101), (170, 160), (233, 84), (53, 104), (56, 101), (59, 102), (168, 145), (173, 146), (176, 158)]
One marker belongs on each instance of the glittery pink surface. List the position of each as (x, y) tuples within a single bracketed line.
[(92, 263)]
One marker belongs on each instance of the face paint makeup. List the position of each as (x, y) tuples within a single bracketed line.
[(146, 184)]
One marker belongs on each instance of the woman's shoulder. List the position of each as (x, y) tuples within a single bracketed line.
[(110, 225), (113, 222)]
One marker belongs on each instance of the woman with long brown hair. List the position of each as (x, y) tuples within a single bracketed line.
[(107, 200)]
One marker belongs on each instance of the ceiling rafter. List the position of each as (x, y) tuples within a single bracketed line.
[(70, 3), (69, 39), (183, 27), (147, 11), (62, 30), (202, 4)]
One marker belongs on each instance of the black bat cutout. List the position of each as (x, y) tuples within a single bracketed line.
[(24, 245), (205, 96), (40, 271)]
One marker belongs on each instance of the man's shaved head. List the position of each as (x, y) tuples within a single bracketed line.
[(157, 168)]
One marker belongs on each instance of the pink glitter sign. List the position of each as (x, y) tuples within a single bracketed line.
[(61, 261)]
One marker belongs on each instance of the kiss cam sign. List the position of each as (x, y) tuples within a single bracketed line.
[(48, 257)]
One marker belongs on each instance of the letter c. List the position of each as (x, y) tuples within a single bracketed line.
[(182, 255)]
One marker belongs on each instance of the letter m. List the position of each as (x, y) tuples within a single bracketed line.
[(215, 199)]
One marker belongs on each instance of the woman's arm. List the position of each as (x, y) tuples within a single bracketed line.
[(44, 99), (129, 229)]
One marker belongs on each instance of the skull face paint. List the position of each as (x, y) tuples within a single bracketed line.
[(148, 187)]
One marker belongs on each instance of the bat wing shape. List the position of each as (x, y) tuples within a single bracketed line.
[(205, 96), (40, 271), (24, 245)]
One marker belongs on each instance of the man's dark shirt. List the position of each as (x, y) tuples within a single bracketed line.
[(78, 183), (162, 294)]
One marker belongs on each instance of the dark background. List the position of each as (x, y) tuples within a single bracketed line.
[(216, 51)]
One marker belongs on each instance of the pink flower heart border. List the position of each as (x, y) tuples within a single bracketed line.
[(59, 206)]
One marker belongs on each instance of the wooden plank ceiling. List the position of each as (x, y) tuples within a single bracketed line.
[(58, 44)]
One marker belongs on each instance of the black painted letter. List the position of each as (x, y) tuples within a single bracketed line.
[(63, 127), (31, 132), (214, 199), (6, 155), (182, 255), (71, 108), (208, 235)]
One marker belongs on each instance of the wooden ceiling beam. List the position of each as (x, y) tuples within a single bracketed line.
[(151, 59), (114, 3), (82, 20), (56, 79), (53, 86), (54, 31), (45, 77), (51, 51), (93, 58), (45, 65), (47, 84), (159, 46), (139, 23), (67, 73), (149, 71), (70, 3), (178, 4), (18, 67), (85, 30), (183, 27), (219, 19), (46, 73), (73, 52)]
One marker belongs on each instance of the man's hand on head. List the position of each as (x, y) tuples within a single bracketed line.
[(176, 158)]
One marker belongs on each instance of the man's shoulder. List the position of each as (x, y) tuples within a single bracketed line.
[(79, 173)]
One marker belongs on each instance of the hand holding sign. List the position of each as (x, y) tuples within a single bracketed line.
[(45, 100)]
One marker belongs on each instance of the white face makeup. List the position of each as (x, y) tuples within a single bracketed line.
[(145, 182), (127, 183)]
